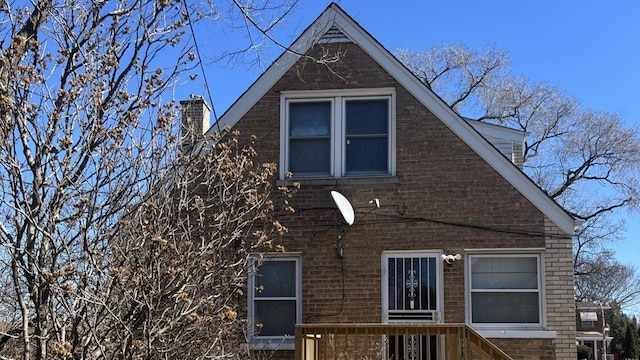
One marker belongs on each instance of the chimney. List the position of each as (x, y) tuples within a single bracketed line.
[(195, 121)]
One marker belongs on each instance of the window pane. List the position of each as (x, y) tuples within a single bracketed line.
[(504, 273), (391, 288), (310, 156), (396, 284), (428, 283), (411, 284), (366, 139), (505, 307), (276, 279), (309, 118), (275, 317), (367, 155), (367, 116)]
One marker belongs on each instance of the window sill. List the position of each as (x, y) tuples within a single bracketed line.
[(517, 334), (341, 181)]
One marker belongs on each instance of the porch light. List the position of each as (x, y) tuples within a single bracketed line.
[(311, 346)]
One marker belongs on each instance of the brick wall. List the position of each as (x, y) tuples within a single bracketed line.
[(528, 349), (560, 295), (444, 198)]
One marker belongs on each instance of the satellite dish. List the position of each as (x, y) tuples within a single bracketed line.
[(344, 206)]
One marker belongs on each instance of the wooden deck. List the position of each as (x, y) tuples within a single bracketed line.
[(397, 341)]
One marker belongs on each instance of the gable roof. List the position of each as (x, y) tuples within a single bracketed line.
[(335, 25)]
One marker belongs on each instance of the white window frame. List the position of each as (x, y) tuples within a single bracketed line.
[(540, 290), (258, 342), (338, 99)]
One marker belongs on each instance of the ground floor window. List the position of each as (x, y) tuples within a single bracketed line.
[(274, 298), (505, 290)]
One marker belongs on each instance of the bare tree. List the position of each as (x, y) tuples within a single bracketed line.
[(602, 278), (567, 148), (103, 252), (179, 261), (457, 73), (588, 161)]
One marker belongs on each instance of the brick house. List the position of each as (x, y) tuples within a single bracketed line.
[(461, 235), (592, 330)]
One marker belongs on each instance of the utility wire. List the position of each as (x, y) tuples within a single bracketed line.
[(394, 218), (201, 65), (399, 219)]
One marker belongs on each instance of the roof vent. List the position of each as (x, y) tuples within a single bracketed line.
[(334, 35)]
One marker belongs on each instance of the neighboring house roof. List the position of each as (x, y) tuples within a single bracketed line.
[(335, 25), (502, 137), (489, 131), (584, 306), (591, 335)]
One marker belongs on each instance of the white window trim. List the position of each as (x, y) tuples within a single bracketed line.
[(508, 330), (272, 342), (385, 280), (337, 98)]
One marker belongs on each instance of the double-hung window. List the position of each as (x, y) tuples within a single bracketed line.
[(505, 290), (343, 133), (274, 300)]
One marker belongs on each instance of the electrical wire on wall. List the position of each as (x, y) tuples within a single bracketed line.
[(342, 298), (400, 219), (397, 219)]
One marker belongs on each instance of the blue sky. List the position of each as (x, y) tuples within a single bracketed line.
[(589, 49)]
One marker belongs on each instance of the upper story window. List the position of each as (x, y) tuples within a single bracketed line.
[(505, 291), (588, 319), (345, 133)]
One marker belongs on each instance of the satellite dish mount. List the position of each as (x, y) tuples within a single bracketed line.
[(349, 216)]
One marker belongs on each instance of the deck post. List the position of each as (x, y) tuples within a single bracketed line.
[(299, 351), (462, 343)]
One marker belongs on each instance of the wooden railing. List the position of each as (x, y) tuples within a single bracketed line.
[(397, 341)]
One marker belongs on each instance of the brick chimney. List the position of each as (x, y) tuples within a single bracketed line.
[(195, 121)]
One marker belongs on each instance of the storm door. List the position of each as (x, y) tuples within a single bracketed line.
[(412, 293)]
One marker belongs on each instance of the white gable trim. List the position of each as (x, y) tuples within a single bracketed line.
[(334, 16), (280, 66)]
